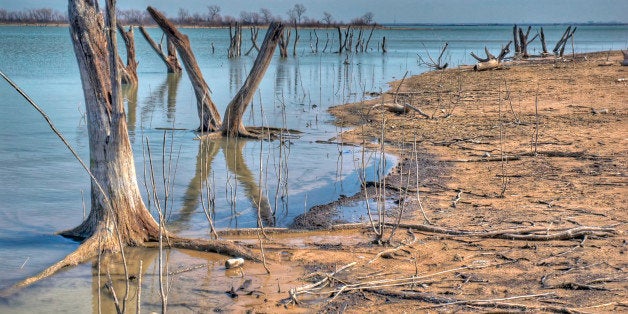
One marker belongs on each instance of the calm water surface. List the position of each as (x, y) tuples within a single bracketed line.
[(43, 188)]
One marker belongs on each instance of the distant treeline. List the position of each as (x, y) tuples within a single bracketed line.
[(33, 16), (212, 17)]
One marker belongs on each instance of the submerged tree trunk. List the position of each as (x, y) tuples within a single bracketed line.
[(207, 111), (111, 159), (284, 39), (232, 124), (171, 60), (129, 72)]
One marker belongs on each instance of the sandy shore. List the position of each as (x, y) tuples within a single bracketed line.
[(537, 144)]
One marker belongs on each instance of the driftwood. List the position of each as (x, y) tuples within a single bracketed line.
[(171, 60), (491, 62), (523, 234), (401, 109), (436, 65)]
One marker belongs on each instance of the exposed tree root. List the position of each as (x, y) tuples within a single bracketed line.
[(255, 132), (83, 253), (92, 245)]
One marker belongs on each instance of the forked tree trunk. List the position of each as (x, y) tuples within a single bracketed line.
[(207, 111), (171, 60), (111, 157), (232, 124), (129, 72)]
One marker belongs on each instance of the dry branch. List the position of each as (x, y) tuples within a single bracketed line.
[(529, 234), (171, 60)]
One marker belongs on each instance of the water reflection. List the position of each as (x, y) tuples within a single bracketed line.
[(207, 151), (129, 92), (233, 152), (112, 265), (236, 74), (156, 99), (200, 192)]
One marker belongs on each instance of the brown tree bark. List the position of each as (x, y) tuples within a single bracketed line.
[(207, 111), (129, 72), (111, 157), (118, 216), (171, 60), (232, 124)]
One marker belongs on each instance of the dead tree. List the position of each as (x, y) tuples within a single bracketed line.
[(235, 42), (232, 124), (284, 39), (515, 39), (543, 43), (296, 39), (171, 60), (358, 44), (384, 50), (207, 111), (491, 62), (118, 216), (524, 42), (128, 73), (314, 48), (254, 32), (559, 49), (366, 46), (436, 65)]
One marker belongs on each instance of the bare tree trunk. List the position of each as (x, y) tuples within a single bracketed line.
[(254, 32), (284, 39), (111, 157), (340, 42), (171, 61), (207, 111), (515, 38), (235, 44), (384, 45), (366, 47), (296, 40), (232, 124), (543, 44), (129, 75)]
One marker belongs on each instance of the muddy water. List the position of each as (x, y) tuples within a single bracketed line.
[(43, 190)]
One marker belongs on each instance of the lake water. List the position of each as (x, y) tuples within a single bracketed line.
[(43, 188)]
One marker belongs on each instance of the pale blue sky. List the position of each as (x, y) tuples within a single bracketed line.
[(389, 11)]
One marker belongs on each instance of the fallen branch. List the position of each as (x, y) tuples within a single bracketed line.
[(527, 234)]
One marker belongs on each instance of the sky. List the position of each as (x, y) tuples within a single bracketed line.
[(391, 11)]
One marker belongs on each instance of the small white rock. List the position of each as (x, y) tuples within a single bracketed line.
[(234, 262)]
